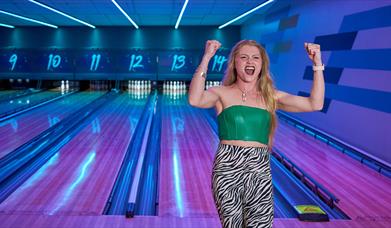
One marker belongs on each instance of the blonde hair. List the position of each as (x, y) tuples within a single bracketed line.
[(265, 83)]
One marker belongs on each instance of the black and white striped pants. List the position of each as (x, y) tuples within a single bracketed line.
[(242, 186)]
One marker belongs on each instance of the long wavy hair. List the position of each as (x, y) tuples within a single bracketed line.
[(265, 81)]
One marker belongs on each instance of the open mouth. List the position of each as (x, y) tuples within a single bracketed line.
[(249, 70)]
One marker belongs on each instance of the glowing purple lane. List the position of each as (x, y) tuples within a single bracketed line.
[(79, 178), (20, 129)]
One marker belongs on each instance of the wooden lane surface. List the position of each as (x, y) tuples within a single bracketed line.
[(80, 179), (188, 145), (22, 128), (35, 97), (5, 94), (362, 191), (112, 221)]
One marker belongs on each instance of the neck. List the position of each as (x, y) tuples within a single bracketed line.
[(246, 86)]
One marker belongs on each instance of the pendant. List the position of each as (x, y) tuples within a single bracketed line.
[(244, 98)]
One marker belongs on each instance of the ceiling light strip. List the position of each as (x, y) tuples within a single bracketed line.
[(124, 13), (245, 14), (61, 13), (180, 15), (5, 25), (27, 19)]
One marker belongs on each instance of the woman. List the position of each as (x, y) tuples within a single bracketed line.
[(246, 106)]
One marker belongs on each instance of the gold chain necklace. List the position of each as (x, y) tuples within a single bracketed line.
[(244, 93)]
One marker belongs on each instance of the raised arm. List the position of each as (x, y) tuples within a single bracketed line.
[(198, 97), (293, 103)]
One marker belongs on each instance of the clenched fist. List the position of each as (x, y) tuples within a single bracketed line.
[(313, 51), (211, 47)]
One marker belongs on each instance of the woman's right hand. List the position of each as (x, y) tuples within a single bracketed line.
[(198, 96), (211, 47)]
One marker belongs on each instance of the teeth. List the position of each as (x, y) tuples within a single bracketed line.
[(249, 70)]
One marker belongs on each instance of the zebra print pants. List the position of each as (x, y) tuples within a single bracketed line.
[(242, 186)]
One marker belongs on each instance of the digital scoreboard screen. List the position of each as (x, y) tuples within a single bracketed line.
[(53, 61), (137, 64), (94, 64), (100, 64), (218, 63), (91, 61), (15, 62), (177, 64)]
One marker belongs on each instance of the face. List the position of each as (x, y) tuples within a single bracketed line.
[(248, 63)]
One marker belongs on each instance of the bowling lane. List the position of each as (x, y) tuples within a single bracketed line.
[(79, 178), (8, 92), (4, 94), (361, 190), (188, 145), (20, 129), (8, 106), (187, 152)]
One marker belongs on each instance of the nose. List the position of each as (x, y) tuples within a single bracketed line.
[(250, 60)]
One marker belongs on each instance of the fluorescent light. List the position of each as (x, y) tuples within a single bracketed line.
[(27, 19), (5, 25), (180, 15), (61, 13), (245, 14), (124, 13)]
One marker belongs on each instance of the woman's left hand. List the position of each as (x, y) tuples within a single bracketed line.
[(313, 51)]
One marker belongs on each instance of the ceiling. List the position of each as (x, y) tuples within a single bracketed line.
[(143, 12)]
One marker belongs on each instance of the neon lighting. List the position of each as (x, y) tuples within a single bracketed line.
[(177, 129), (85, 165), (135, 62), (178, 63), (61, 13), (12, 122), (54, 61), (27, 19), (39, 147), (53, 121), (13, 59), (125, 14), (95, 62), (14, 125), (218, 61), (41, 172), (7, 26), (39, 175), (178, 192), (150, 180), (180, 15), (96, 126), (245, 14)]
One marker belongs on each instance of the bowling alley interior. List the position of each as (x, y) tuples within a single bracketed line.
[(96, 127)]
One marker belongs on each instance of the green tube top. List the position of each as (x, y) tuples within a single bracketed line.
[(240, 122)]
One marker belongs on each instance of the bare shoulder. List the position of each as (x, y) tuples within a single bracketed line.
[(218, 90), (279, 94)]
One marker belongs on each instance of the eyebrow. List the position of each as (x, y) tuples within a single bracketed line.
[(248, 55)]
